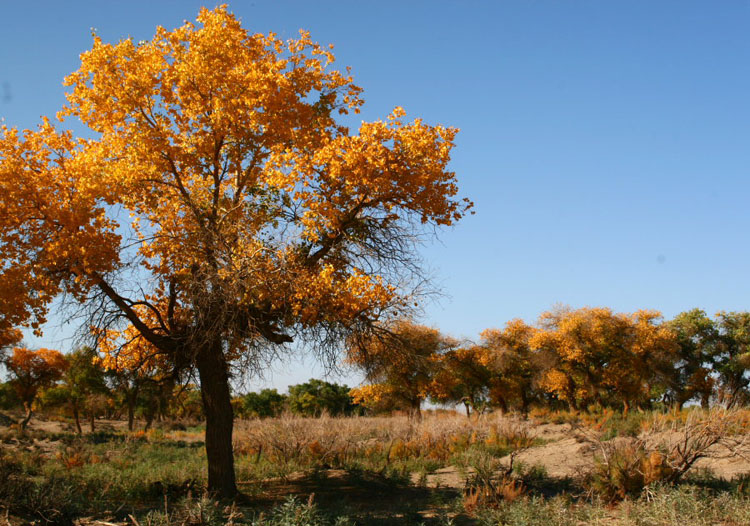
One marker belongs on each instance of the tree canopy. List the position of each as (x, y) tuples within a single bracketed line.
[(217, 206)]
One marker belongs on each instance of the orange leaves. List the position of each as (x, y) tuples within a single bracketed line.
[(52, 222), (597, 352), (9, 337), (219, 174), (32, 370), (128, 352), (389, 166), (399, 361)]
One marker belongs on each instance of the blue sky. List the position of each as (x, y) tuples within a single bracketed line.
[(605, 144)]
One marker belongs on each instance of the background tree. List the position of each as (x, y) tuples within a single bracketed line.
[(83, 386), (462, 376), (515, 365), (264, 404), (315, 397), (252, 217), (138, 371), (186, 402), (604, 358), (732, 357), (402, 358), (8, 397), (30, 371), (697, 338)]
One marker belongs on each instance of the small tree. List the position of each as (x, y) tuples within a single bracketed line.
[(732, 357), (30, 371), (402, 358), (463, 376), (264, 404), (315, 397), (82, 388)]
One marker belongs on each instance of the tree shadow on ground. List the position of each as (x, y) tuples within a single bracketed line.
[(366, 497)]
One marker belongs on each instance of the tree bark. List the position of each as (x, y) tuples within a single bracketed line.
[(217, 406), (131, 399), (27, 418), (77, 418), (525, 403)]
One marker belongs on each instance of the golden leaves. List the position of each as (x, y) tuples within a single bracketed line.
[(218, 167), (596, 350), (32, 370)]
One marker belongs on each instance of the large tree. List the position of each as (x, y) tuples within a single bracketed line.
[(598, 356), (217, 206)]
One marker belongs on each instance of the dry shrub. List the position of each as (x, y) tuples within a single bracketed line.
[(505, 490), (666, 451), (292, 443), (76, 456), (288, 441), (490, 482)]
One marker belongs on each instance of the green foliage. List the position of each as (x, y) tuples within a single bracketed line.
[(8, 396), (267, 403), (732, 358), (45, 500), (664, 506), (315, 397), (294, 513), (697, 336), (623, 425)]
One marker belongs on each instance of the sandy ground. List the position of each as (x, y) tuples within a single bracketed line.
[(566, 453), (569, 454)]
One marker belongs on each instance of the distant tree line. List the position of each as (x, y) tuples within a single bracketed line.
[(80, 385), (570, 359)]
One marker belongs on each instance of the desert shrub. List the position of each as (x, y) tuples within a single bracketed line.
[(533, 511), (667, 505), (623, 467), (276, 447), (294, 513), (662, 505), (665, 452), (44, 500), (616, 424), (193, 512)]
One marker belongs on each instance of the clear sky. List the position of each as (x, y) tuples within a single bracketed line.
[(606, 144)]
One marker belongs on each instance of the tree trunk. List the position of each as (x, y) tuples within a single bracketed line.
[(27, 418), (149, 421), (92, 417), (415, 412), (525, 402), (77, 418), (217, 406), (131, 398), (503, 405)]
